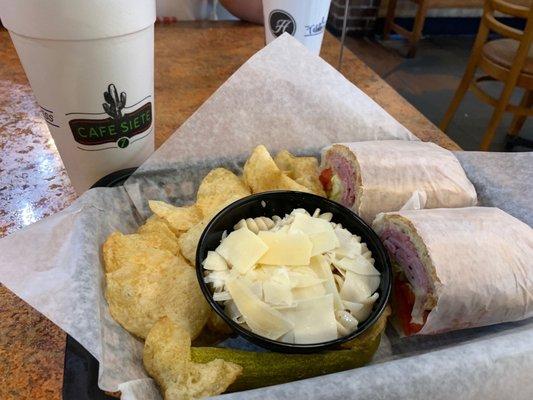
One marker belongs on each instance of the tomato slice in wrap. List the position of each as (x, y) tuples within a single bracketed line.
[(403, 302), (325, 179)]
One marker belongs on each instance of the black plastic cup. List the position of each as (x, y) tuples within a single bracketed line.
[(280, 203)]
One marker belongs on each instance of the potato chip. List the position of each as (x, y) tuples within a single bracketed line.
[(304, 170), (156, 224), (179, 218), (166, 352), (156, 231), (140, 293), (120, 250), (167, 358), (219, 186), (159, 240), (262, 174), (188, 242)]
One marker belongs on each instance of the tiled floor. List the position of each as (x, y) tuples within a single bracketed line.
[(429, 81)]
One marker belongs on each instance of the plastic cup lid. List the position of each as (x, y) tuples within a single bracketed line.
[(76, 19)]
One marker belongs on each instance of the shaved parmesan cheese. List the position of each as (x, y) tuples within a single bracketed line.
[(217, 279), (308, 225), (308, 292), (299, 211), (254, 275), (359, 265), (339, 280), (242, 249), (372, 282), (349, 246), (323, 270), (277, 294), (362, 311), (285, 248), (257, 289), (288, 337), (215, 262), (319, 230), (352, 307), (221, 296), (323, 241), (326, 216), (277, 273), (233, 311), (284, 229), (301, 277), (281, 275), (260, 317), (263, 273), (341, 271), (313, 320), (357, 288)]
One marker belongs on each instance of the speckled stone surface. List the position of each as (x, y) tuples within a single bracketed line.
[(33, 184), (192, 61)]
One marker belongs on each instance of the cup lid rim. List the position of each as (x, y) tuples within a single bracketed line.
[(80, 20)]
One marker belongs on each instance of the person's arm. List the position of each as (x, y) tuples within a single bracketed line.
[(248, 10)]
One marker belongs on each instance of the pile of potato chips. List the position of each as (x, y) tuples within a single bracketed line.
[(151, 284)]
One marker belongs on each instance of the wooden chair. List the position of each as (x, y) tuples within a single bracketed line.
[(508, 60), (422, 8)]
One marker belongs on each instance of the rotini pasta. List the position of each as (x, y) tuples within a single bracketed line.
[(256, 224)]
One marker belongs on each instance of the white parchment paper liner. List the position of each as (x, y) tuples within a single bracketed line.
[(285, 98), (503, 180), (55, 266)]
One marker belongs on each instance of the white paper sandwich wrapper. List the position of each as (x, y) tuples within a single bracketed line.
[(285, 98), (489, 278)]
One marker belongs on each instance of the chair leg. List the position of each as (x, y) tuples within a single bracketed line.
[(467, 78), (458, 97), (518, 120), (417, 27), (389, 19), (510, 82), (497, 115)]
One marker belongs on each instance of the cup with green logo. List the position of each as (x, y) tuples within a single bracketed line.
[(91, 67)]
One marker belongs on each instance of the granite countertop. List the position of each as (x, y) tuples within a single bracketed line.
[(192, 59)]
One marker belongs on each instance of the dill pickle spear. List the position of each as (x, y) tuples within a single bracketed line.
[(269, 368)]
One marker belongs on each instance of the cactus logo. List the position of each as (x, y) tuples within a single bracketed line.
[(121, 126)]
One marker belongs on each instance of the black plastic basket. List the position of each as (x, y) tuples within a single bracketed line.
[(80, 379)]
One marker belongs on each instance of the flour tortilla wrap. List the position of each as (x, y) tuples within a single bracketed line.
[(467, 267), (379, 176)]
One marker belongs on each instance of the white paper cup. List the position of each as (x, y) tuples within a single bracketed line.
[(91, 67), (303, 19)]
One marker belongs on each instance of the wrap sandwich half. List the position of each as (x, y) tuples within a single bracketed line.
[(380, 176), (457, 268)]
